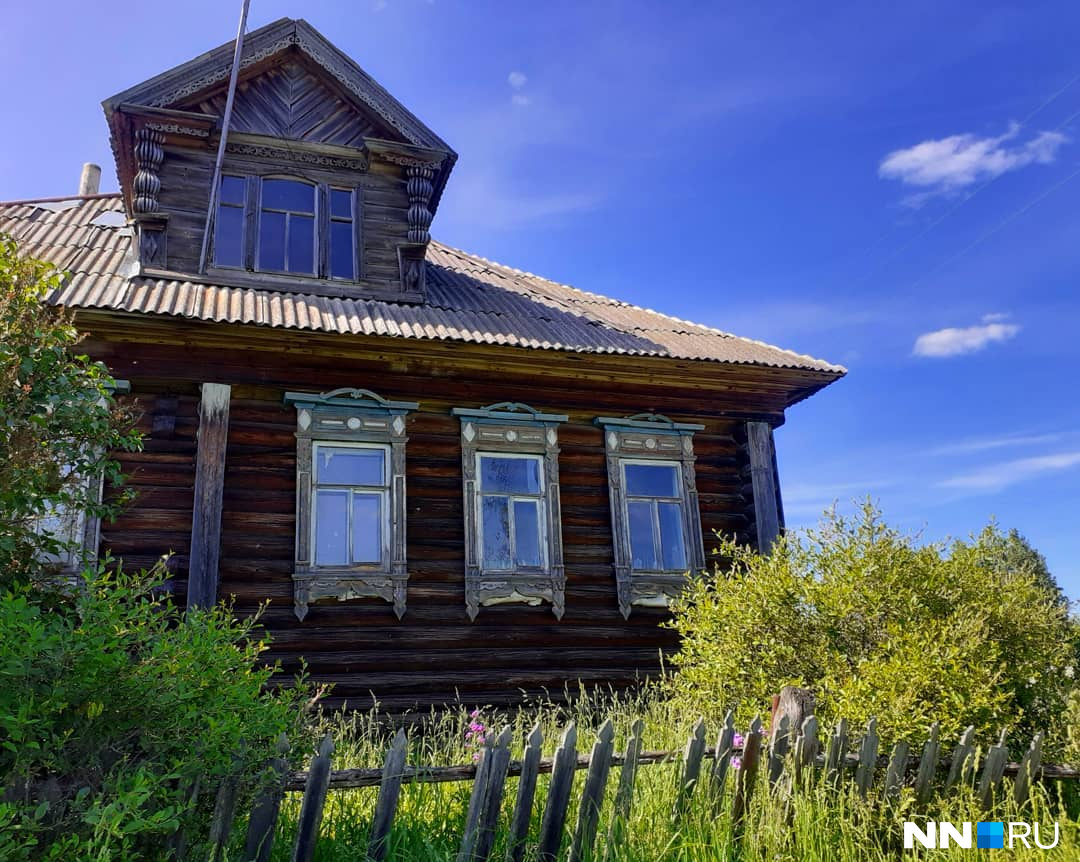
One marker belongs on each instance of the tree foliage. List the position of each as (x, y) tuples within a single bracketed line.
[(878, 624)]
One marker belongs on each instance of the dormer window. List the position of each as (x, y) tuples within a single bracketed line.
[(287, 226)]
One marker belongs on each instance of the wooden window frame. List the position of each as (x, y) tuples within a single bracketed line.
[(349, 416), (253, 210), (650, 438), (512, 429)]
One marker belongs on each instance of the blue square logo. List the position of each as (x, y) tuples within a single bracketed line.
[(990, 836)]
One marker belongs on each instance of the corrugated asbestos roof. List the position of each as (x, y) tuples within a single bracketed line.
[(469, 298)]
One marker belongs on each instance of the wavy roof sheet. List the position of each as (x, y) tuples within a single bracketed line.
[(469, 299)]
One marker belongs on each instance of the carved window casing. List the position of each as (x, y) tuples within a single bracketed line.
[(654, 507), (350, 497), (510, 468)]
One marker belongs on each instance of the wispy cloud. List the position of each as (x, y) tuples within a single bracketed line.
[(956, 341), (986, 444), (517, 82), (996, 477), (950, 164)]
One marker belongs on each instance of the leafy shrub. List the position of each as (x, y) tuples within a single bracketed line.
[(877, 624)]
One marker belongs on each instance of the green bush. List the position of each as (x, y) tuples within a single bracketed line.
[(878, 624), (114, 707)]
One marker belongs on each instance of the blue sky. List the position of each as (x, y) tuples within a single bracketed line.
[(890, 186)]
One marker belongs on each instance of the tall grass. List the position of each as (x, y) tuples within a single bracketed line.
[(818, 822)]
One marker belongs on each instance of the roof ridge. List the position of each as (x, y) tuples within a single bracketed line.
[(625, 304), (60, 199)]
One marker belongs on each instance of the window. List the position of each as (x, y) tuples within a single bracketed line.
[(288, 226), (510, 469), (654, 507), (350, 498)]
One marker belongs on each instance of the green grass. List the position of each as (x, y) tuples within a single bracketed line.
[(816, 823)]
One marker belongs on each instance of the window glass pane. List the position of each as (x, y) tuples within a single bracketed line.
[(341, 249), (513, 475), (642, 551), (340, 203), (301, 244), (232, 190), (331, 528), (367, 528), (288, 195), (527, 532), (672, 544), (651, 480), (495, 529), (349, 466), (229, 237), (271, 241)]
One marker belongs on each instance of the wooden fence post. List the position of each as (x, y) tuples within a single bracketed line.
[(963, 756), (486, 799), (389, 791), (894, 775), (993, 770), (558, 798), (1029, 766), (924, 781), (592, 798), (311, 809), (265, 810), (779, 744), (691, 768), (620, 814), (222, 819), (834, 755), (864, 773), (209, 483), (806, 747), (519, 823), (725, 746), (744, 781)]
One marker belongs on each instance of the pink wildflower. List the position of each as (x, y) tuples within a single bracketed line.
[(736, 762), (739, 741)]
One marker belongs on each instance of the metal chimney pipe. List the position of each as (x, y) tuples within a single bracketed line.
[(90, 180)]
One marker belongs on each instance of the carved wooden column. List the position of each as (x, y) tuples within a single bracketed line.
[(759, 443), (149, 154), (419, 189), (209, 486)]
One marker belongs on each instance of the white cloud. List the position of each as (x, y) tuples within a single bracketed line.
[(949, 164), (996, 477), (984, 444), (520, 99), (517, 80), (955, 341)]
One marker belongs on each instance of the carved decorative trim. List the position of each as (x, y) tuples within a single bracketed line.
[(178, 129), (419, 189), (359, 416), (297, 156), (149, 154), (511, 427), (648, 436)]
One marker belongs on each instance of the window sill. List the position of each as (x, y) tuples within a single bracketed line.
[(485, 589), (343, 585)]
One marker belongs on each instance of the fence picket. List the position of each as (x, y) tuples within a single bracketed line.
[(264, 812), (894, 775), (1029, 766), (311, 809), (592, 798), (924, 780), (993, 770), (624, 796), (221, 820), (779, 744), (806, 746), (691, 768), (496, 784), (834, 757), (476, 802), (725, 746), (519, 822), (864, 773), (558, 798), (962, 759), (747, 774), (389, 791)]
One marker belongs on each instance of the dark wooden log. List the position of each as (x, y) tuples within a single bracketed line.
[(209, 485), (558, 798), (311, 809)]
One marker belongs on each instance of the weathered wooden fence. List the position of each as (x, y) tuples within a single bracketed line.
[(729, 771)]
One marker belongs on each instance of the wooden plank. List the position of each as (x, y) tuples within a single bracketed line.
[(624, 796), (779, 744), (558, 798), (1029, 768), (476, 802), (209, 484), (311, 809), (760, 448), (221, 820), (962, 760), (924, 780), (493, 796), (725, 747), (834, 756), (806, 747), (267, 806), (993, 770), (693, 751), (519, 821), (747, 775), (592, 797), (389, 791), (894, 775), (864, 772)]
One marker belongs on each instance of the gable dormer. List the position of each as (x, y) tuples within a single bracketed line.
[(328, 184)]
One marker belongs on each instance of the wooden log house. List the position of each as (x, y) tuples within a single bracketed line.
[(448, 477)]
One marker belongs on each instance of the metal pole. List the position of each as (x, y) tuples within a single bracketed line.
[(216, 181)]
